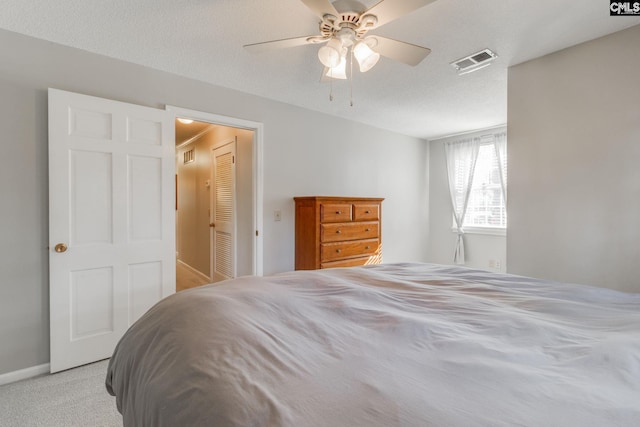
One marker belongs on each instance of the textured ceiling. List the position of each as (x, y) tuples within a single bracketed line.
[(203, 39)]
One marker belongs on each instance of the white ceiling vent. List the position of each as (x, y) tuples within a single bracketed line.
[(474, 62), (189, 156)]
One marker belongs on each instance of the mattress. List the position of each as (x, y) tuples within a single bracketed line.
[(386, 345)]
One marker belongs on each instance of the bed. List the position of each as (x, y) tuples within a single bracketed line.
[(385, 345)]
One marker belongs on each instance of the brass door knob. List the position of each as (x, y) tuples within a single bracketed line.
[(212, 224), (60, 247)]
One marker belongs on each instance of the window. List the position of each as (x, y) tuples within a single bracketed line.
[(486, 206)]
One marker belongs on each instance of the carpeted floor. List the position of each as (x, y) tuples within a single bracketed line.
[(76, 397), (186, 279)]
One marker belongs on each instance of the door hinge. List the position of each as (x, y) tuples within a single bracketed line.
[(256, 233), (233, 159)]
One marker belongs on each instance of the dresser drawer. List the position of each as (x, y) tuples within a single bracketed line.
[(350, 262), (339, 250), (348, 231), (335, 212), (366, 212)]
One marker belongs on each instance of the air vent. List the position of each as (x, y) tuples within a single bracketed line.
[(189, 156), (474, 62)]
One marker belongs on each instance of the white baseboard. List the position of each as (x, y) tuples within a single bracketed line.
[(194, 271), (23, 374)]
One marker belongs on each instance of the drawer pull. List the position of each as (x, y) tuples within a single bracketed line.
[(338, 251), (367, 229), (366, 247), (338, 212), (367, 212), (338, 231)]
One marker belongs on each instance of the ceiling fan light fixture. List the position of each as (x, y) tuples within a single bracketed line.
[(329, 54), (339, 71), (343, 31), (365, 56)]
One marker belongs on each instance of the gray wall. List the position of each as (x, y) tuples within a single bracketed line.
[(574, 164), (305, 153), (481, 250)]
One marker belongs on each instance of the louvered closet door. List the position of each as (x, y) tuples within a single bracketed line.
[(223, 212)]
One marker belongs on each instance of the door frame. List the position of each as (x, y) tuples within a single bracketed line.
[(257, 169)]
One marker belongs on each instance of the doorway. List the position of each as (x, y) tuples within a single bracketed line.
[(123, 218), (199, 248)]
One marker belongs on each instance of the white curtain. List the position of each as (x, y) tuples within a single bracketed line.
[(461, 159), (500, 142)]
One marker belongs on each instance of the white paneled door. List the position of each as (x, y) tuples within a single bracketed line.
[(223, 212), (111, 221)]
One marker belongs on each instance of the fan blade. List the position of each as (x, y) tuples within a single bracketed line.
[(279, 44), (407, 53), (321, 7), (389, 10)]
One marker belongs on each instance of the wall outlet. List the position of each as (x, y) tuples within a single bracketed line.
[(277, 216)]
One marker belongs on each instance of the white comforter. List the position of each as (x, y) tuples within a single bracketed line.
[(388, 345)]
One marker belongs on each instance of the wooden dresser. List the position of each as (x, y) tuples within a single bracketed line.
[(337, 232)]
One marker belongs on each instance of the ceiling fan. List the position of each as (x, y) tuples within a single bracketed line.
[(344, 29)]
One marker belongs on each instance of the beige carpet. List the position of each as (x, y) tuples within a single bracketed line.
[(76, 397)]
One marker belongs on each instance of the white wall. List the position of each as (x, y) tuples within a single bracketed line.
[(574, 164), (481, 250), (192, 215), (305, 153), (349, 159)]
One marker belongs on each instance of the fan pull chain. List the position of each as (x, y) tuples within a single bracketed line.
[(351, 79), (330, 84)]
